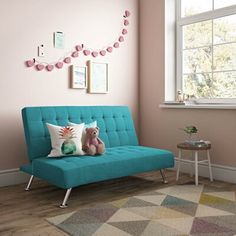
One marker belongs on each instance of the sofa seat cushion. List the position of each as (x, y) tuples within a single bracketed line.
[(117, 162)]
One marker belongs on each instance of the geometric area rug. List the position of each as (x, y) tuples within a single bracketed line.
[(177, 210)]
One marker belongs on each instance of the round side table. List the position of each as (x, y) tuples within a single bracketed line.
[(194, 160)]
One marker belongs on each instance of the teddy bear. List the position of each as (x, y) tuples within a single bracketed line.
[(93, 144)]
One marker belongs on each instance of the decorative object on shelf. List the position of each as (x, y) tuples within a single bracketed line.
[(78, 77), (59, 42), (97, 77), (190, 99), (179, 97), (190, 130)]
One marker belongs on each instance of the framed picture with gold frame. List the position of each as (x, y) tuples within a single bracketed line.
[(78, 77), (97, 77)]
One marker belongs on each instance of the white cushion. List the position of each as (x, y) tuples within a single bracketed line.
[(66, 140)]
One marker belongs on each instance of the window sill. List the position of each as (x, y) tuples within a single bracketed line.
[(200, 106)]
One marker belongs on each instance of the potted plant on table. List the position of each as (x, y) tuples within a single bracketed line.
[(190, 130)]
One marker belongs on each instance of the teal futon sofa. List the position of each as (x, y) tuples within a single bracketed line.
[(123, 157)]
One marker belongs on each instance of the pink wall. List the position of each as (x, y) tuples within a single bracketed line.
[(160, 127), (26, 24)]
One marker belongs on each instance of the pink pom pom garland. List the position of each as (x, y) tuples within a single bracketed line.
[(81, 49)]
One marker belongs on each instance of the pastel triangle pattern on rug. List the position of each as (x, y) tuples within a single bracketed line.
[(186, 192), (149, 212), (170, 200), (183, 225), (131, 227), (119, 203), (225, 195), (59, 219), (154, 228), (218, 203), (224, 221), (154, 199), (210, 199), (203, 211), (135, 202), (200, 226), (106, 230), (150, 194), (176, 210), (186, 209), (124, 215), (83, 229)]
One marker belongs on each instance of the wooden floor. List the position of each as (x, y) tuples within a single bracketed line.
[(24, 213)]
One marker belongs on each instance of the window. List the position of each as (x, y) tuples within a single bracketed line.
[(206, 48)]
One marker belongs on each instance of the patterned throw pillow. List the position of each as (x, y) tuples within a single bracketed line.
[(66, 140)]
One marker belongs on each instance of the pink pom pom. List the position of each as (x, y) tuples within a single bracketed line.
[(86, 52), (78, 48), (116, 45), (102, 52), (39, 67), (67, 60), (121, 39), (109, 49), (49, 67), (94, 54), (126, 22), (59, 65), (29, 63), (127, 13), (75, 54), (124, 31)]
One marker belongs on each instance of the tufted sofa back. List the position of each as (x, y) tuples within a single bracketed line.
[(115, 123)]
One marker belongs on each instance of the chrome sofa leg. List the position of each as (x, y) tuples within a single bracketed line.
[(164, 180), (29, 183), (64, 205)]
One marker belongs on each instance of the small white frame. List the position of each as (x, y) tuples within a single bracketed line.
[(78, 77)]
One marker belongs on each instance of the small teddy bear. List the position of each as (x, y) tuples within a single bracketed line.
[(93, 145)]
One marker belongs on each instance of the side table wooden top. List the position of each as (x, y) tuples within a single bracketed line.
[(189, 146)]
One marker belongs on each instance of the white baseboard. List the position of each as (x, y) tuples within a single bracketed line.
[(223, 173), (12, 177), (220, 172)]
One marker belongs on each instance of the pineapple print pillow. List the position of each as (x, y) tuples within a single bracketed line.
[(66, 140)]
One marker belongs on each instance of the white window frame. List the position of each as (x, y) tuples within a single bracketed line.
[(182, 21)]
